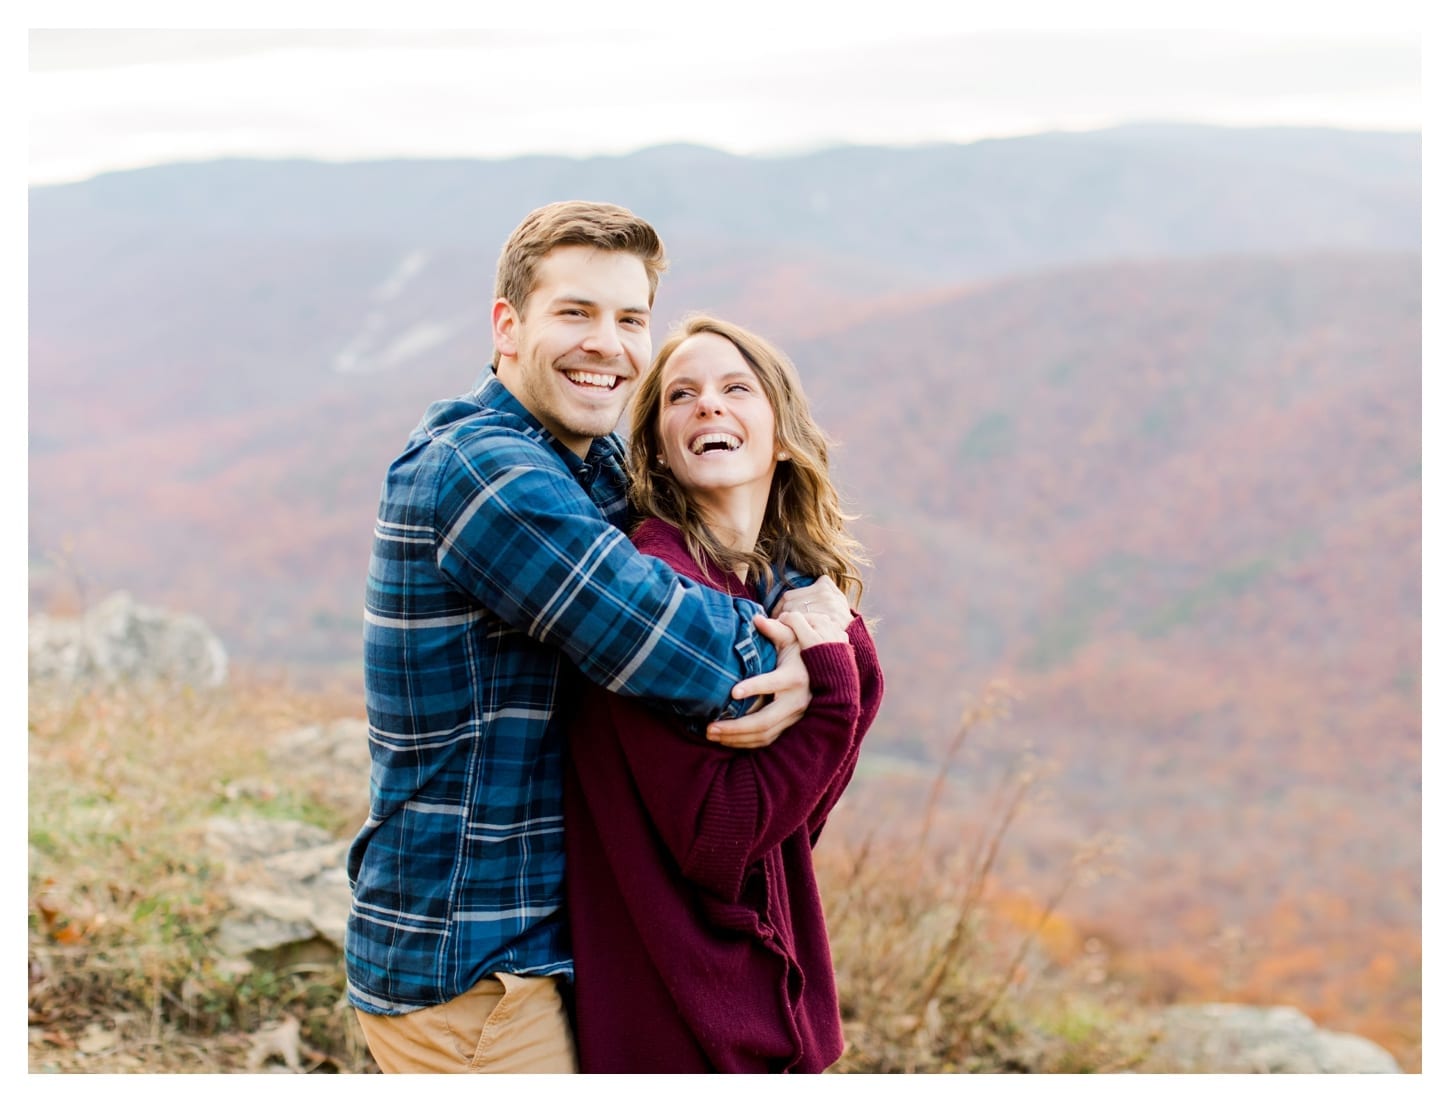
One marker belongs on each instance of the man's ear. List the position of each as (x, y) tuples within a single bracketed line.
[(505, 328)]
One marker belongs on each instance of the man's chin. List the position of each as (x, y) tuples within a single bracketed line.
[(601, 425)]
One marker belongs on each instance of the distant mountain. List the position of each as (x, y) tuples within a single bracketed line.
[(943, 212), (1132, 419)]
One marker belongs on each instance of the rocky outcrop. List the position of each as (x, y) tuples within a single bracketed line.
[(286, 880), (1231, 1039), (287, 886), (332, 760), (120, 640)]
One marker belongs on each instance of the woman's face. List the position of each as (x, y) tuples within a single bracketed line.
[(716, 425)]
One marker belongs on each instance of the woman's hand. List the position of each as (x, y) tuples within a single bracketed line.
[(822, 603), (782, 694), (813, 632)]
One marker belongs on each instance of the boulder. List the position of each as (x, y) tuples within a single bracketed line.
[(120, 640), (331, 759), (287, 885), (1224, 1038)]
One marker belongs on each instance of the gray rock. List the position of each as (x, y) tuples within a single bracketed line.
[(332, 758), (250, 841), (1229, 1039), (120, 640), (287, 885)]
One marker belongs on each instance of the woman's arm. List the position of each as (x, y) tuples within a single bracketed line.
[(868, 669), (719, 810)]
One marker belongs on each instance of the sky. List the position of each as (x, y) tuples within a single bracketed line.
[(103, 100)]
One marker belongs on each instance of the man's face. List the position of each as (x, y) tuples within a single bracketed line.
[(574, 353)]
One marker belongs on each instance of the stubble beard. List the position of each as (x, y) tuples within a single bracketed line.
[(554, 393)]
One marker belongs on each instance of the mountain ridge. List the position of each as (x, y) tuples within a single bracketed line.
[(1138, 433)]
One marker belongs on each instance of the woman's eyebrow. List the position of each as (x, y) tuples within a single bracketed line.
[(727, 377)]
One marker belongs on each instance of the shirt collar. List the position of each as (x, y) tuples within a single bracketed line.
[(492, 394)]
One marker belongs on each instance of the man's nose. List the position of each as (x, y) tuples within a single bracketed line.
[(603, 339)]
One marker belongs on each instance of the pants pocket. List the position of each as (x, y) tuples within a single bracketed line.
[(497, 1019)]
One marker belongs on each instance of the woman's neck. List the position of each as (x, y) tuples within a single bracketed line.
[(734, 518)]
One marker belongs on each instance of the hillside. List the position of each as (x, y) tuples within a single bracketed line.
[(1132, 420)]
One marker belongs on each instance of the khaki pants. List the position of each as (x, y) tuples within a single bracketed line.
[(502, 1024)]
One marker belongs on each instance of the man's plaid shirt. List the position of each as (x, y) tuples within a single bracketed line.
[(499, 571)]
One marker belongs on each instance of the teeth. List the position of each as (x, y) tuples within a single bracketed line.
[(585, 378), (730, 442)]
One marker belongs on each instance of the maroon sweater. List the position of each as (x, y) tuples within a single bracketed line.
[(698, 936)]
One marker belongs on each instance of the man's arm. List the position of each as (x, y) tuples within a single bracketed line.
[(518, 534)]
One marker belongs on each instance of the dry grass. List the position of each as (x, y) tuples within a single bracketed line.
[(937, 971), (122, 900)]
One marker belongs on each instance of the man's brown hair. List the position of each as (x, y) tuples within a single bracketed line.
[(573, 222)]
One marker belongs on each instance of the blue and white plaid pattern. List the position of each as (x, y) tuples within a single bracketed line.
[(499, 571)]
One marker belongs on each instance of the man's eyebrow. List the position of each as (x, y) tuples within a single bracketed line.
[(580, 300)]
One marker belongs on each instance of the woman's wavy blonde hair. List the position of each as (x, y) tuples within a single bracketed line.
[(804, 526)]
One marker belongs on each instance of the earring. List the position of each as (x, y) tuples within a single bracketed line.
[(782, 455)]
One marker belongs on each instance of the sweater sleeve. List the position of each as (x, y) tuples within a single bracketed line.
[(868, 670), (719, 810)]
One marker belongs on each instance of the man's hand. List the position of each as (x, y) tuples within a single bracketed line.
[(821, 602), (788, 684)]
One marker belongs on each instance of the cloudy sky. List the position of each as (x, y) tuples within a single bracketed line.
[(100, 100)]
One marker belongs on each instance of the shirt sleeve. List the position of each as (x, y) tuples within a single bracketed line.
[(518, 533), (719, 810)]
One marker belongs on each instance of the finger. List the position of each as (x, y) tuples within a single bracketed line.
[(741, 732), (823, 598), (777, 633), (801, 624), (759, 728), (744, 742), (794, 600), (797, 598), (766, 684)]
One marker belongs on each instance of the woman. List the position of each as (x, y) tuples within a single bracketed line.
[(698, 935)]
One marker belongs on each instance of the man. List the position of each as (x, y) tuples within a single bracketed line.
[(499, 574)]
